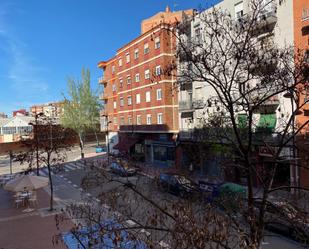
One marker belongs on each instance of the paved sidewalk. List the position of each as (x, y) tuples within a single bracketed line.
[(29, 230)]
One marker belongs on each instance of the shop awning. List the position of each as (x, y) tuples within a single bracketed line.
[(242, 120), (126, 144), (267, 121)]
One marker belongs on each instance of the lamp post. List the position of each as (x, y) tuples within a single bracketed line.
[(36, 116), (107, 136)]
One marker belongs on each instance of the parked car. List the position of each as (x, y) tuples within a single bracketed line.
[(122, 170), (100, 149), (92, 237), (178, 185), (285, 219)]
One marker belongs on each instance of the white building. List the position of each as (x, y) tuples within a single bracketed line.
[(194, 98), (11, 129)]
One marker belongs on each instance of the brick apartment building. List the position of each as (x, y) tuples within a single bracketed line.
[(301, 38), (52, 109), (141, 103)]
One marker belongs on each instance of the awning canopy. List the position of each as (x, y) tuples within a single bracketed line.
[(267, 121), (126, 144), (242, 120)]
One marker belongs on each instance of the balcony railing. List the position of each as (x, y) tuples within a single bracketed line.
[(305, 20), (186, 135), (268, 106), (305, 14), (185, 105), (198, 103), (103, 96), (102, 80), (103, 113)]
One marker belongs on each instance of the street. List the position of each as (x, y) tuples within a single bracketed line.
[(72, 155), (68, 190)]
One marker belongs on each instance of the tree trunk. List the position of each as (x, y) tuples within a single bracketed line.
[(81, 145), (96, 137), (51, 188)]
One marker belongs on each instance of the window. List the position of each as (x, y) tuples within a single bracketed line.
[(146, 48), (148, 96), (159, 118), (128, 80), (149, 119), (239, 10), (197, 31), (127, 57), (115, 104), (147, 74), (120, 82), (115, 120), (137, 78), (129, 100), (159, 94), (138, 98), (138, 119), (158, 70), (129, 120), (113, 69), (121, 120), (157, 43), (121, 101), (135, 54), (114, 87), (120, 62)]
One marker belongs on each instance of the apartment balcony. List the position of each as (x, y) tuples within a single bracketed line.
[(305, 19), (198, 103), (186, 106), (102, 80), (266, 20), (186, 135), (269, 106), (103, 96), (103, 113)]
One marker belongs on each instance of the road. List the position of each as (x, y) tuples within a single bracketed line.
[(72, 155), (68, 190)]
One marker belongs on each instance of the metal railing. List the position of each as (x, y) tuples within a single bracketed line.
[(185, 105), (305, 14), (101, 79)]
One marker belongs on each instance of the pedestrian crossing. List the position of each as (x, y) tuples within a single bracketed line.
[(66, 167)]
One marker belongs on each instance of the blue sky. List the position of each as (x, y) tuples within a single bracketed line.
[(42, 43)]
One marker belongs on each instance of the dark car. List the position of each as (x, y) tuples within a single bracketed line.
[(286, 219), (178, 185), (122, 170)]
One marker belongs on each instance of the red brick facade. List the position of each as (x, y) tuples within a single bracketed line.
[(122, 83), (301, 36), (137, 93)]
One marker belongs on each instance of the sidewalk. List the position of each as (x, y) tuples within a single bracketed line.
[(29, 230)]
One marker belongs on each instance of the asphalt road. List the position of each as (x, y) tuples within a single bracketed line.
[(129, 204), (72, 155)]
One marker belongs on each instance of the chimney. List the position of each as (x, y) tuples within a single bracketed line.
[(167, 9)]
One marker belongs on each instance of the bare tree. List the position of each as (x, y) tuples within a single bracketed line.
[(244, 70), (47, 147)]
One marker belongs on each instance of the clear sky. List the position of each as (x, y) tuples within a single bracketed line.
[(42, 43)]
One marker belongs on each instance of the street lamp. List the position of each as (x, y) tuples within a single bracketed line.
[(36, 116), (107, 136)]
